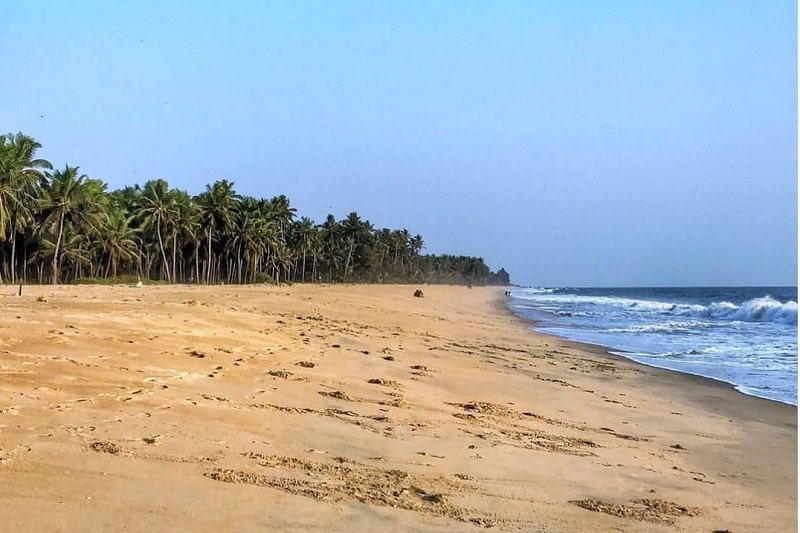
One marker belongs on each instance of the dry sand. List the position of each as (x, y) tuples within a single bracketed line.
[(361, 408)]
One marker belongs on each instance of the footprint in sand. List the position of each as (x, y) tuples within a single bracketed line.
[(384, 382), (339, 395)]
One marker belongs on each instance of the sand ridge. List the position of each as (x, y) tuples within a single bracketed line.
[(361, 408)]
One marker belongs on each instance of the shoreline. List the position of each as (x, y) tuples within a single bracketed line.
[(616, 353), (727, 392), (360, 407)]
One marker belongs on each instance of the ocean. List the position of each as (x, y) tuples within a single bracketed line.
[(746, 336)]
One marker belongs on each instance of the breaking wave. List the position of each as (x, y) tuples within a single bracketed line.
[(764, 309)]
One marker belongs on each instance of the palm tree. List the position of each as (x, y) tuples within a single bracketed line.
[(281, 214), (71, 249), (90, 218), (330, 244), (184, 227), (118, 240), (251, 236), (315, 248), (304, 232), (68, 197), (158, 208), (357, 235), (20, 175), (216, 208), (417, 244), (281, 260)]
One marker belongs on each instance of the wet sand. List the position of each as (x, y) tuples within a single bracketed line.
[(361, 408)]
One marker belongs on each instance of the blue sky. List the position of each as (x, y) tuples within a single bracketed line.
[(574, 143)]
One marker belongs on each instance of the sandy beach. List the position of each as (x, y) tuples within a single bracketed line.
[(361, 408)]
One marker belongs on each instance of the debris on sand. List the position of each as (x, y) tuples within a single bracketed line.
[(104, 446), (153, 439)]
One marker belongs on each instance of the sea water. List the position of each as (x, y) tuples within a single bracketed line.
[(746, 336)]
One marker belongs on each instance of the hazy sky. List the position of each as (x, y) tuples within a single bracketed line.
[(574, 143)]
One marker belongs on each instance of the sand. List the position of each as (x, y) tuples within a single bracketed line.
[(361, 408)]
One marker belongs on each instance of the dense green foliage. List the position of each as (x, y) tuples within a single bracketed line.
[(62, 226)]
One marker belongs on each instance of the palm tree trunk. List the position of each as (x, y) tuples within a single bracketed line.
[(349, 256), (208, 258), (239, 263), (13, 240), (314, 269), (165, 264), (175, 257), (54, 265), (25, 258)]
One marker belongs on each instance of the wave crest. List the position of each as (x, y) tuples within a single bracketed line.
[(764, 309)]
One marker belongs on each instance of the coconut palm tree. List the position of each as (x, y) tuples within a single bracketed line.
[(357, 235), (118, 240), (281, 260), (20, 175), (252, 235), (69, 250), (331, 245), (416, 245), (216, 209), (303, 231), (183, 228), (157, 211), (281, 214), (315, 249), (69, 197)]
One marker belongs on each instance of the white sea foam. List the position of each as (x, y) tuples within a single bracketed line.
[(664, 327)]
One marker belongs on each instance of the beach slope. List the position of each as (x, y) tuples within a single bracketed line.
[(358, 408)]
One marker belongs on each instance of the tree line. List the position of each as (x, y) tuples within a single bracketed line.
[(61, 226)]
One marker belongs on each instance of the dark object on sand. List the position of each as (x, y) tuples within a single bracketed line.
[(20, 290), (418, 294)]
